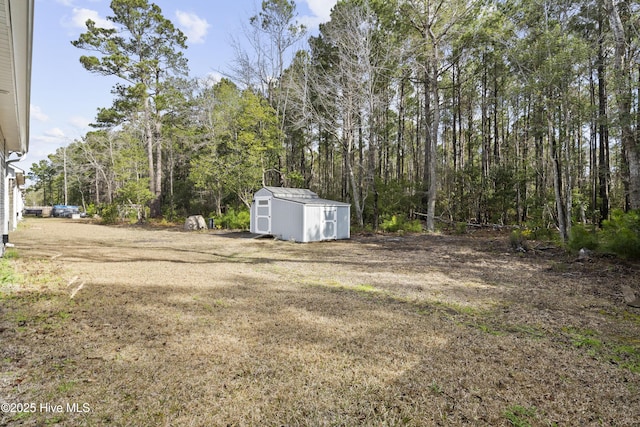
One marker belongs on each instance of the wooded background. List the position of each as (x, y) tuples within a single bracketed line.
[(500, 112)]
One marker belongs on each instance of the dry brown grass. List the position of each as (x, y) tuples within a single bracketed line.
[(205, 329)]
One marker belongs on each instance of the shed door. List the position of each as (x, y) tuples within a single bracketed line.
[(263, 215), (330, 223)]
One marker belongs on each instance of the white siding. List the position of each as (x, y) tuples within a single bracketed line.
[(4, 200), (312, 217), (300, 215), (287, 220), (344, 222)]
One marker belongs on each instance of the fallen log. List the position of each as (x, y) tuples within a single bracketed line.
[(468, 224)]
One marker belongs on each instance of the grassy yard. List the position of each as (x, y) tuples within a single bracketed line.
[(150, 327)]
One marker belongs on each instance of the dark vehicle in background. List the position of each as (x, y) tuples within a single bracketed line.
[(66, 211)]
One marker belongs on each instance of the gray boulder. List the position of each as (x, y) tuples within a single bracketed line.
[(195, 222)]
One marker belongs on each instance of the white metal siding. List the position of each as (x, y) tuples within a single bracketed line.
[(300, 215), (262, 207), (287, 220), (16, 35), (325, 223), (253, 211), (4, 202), (312, 223), (13, 215), (344, 222)]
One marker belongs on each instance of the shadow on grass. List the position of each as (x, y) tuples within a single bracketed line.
[(258, 351)]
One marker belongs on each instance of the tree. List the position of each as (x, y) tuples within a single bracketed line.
[(242, 139), (143, 50), (276, 22), (346, 85), (42, 173), (271, 35), (624, 99), (472, 110), (434, 21)]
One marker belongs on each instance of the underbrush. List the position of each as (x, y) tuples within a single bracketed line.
[(115, 213), (619, 235), (233, 219), (398, 223)]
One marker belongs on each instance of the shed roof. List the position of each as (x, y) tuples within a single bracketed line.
[(302, 195), (288, 193)]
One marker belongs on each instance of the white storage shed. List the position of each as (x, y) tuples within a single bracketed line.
[(298, 214)]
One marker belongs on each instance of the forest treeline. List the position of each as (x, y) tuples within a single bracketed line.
[(499, 112)]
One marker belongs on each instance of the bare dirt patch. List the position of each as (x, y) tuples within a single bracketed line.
[(164, 327)]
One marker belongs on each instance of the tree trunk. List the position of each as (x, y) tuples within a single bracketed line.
[(400, 137), (433, 143), (156, 204), (557, 188), (623, 98), (97, 187), (348, 145), (149, 137), (603, 149), (568, 179)]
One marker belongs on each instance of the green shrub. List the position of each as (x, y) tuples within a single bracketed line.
[(518, 239), (544, 233), (234, 219), (91, 210), (460, 228), (413, 226), (580, 237), (109, 214), (398, 223), (621, 234), (391, 224)]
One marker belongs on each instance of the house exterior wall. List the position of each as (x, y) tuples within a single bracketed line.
[(4, 200), (16, 42), (16, 201), (13, 220)]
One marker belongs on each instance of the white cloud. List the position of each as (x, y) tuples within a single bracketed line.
[(321, 12), (194, 27), (321, 8), (55, 133), (44, 145), (36, 113), (79, 122), (211, 79), (79, 17)]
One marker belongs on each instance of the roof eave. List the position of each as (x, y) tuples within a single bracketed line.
[(15, 90)]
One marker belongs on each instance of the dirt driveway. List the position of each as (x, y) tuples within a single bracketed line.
[(136, 326)]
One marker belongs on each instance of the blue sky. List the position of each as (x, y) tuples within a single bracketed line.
[(65, 97)]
